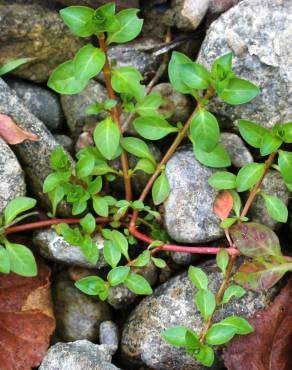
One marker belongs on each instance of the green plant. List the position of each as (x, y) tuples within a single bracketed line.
[(10, 66), (86, 184)]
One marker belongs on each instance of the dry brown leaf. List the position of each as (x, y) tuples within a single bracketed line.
[(223, 204), (13, 134), (26, 319), (269, 347)]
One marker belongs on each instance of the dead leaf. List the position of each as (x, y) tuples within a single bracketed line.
[(269, 347), (13, 134), (26, 319), (223, 204)]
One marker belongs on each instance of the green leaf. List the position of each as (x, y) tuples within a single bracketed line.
[(276, 208), (195, 76), (227, 222), (205, 355), (95, 186), (60, 160), (127, 80), (286, 128), (204, 130), (222, 67), (88, 223), (249, 175), (149, 105), (93, 285), (4, 261), (175, 72), (153, 128), (239, 91), (94, 108), (270, 143), (137, 147), (142, 260), (233, 291), (107, 137), (285, 165), (85, 166), (175, 336), (10, 66), (138, 284), (205, 301), (222, 180), (252, 132), (53, 180), (118, 275), (145, 165), (104, 19), (121, 242), (158, 262), (241, 326), (160, 189), (129, 27), (17, 206), (217, 158), (102, 168), (100, 206), (236, 202), (198, 277), (78, 19), (89, 249), (88, 62), (22, 261), (220, 334), (222, 259), (112, 253)]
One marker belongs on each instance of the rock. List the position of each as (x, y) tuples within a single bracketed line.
[(33, 155), (12, 183), (120, 297), (36, 32), (216, 7), (184, 259), (79, 355), (257, 33), (41, 102), (273, 184), (188, 215), (78, 315), (74, 107), (66, 142), (109, 335), (238, 152), (121, 4), (54, 247), (173, 304)]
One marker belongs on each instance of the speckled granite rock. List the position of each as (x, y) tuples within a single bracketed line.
[(109, 335), (188, 215), (238, 152), (12, 183), (258, 32), (173, 304), (79, 355), (31, 30)]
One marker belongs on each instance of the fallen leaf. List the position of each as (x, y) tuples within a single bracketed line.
[(223, 204), (269, 347), (26, 319), (13, 134)]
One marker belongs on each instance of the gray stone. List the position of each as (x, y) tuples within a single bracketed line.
[(12, 183), (216, 7), (78, 315), (54, 247), (33, 155), (31, 30), (258, 33), (41, 102), (121, 4), (173, 304), (273, 184), (79, 355), (66, 142), (109, 335), (184, 259), (238, 152), (188, 215)]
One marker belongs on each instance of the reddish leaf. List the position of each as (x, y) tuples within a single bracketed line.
[(223, 204), (13, 134), (269, 347), (26, 319)]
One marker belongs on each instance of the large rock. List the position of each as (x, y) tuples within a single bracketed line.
[(173, 304), (121, 4), (189, 216), (109, 335), (238, 152), (12, 183), (37, 32), (79, 355), (258, 33)]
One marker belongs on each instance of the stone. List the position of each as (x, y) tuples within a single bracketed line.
[(66, 142), (238, 152), (78, 315), (32, 30), (173, 304), (34, 156), (78, 355), (74, 107), (121, 4), (188, 210), (41, 102), (109, 335), (184, 259), (216, 7), (12, 182), (54, 247), (273, 184), (258, 33)]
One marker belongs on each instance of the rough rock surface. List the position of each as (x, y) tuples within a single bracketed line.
[(121, 4), (12, 183), (258, 33), (216, 7), (188, 215), (109, 335), (78, 315), (173, 304), (79, 355), (238, 152), (31, 30)]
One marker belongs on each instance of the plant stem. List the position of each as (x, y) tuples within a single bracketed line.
[(115, 114)]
